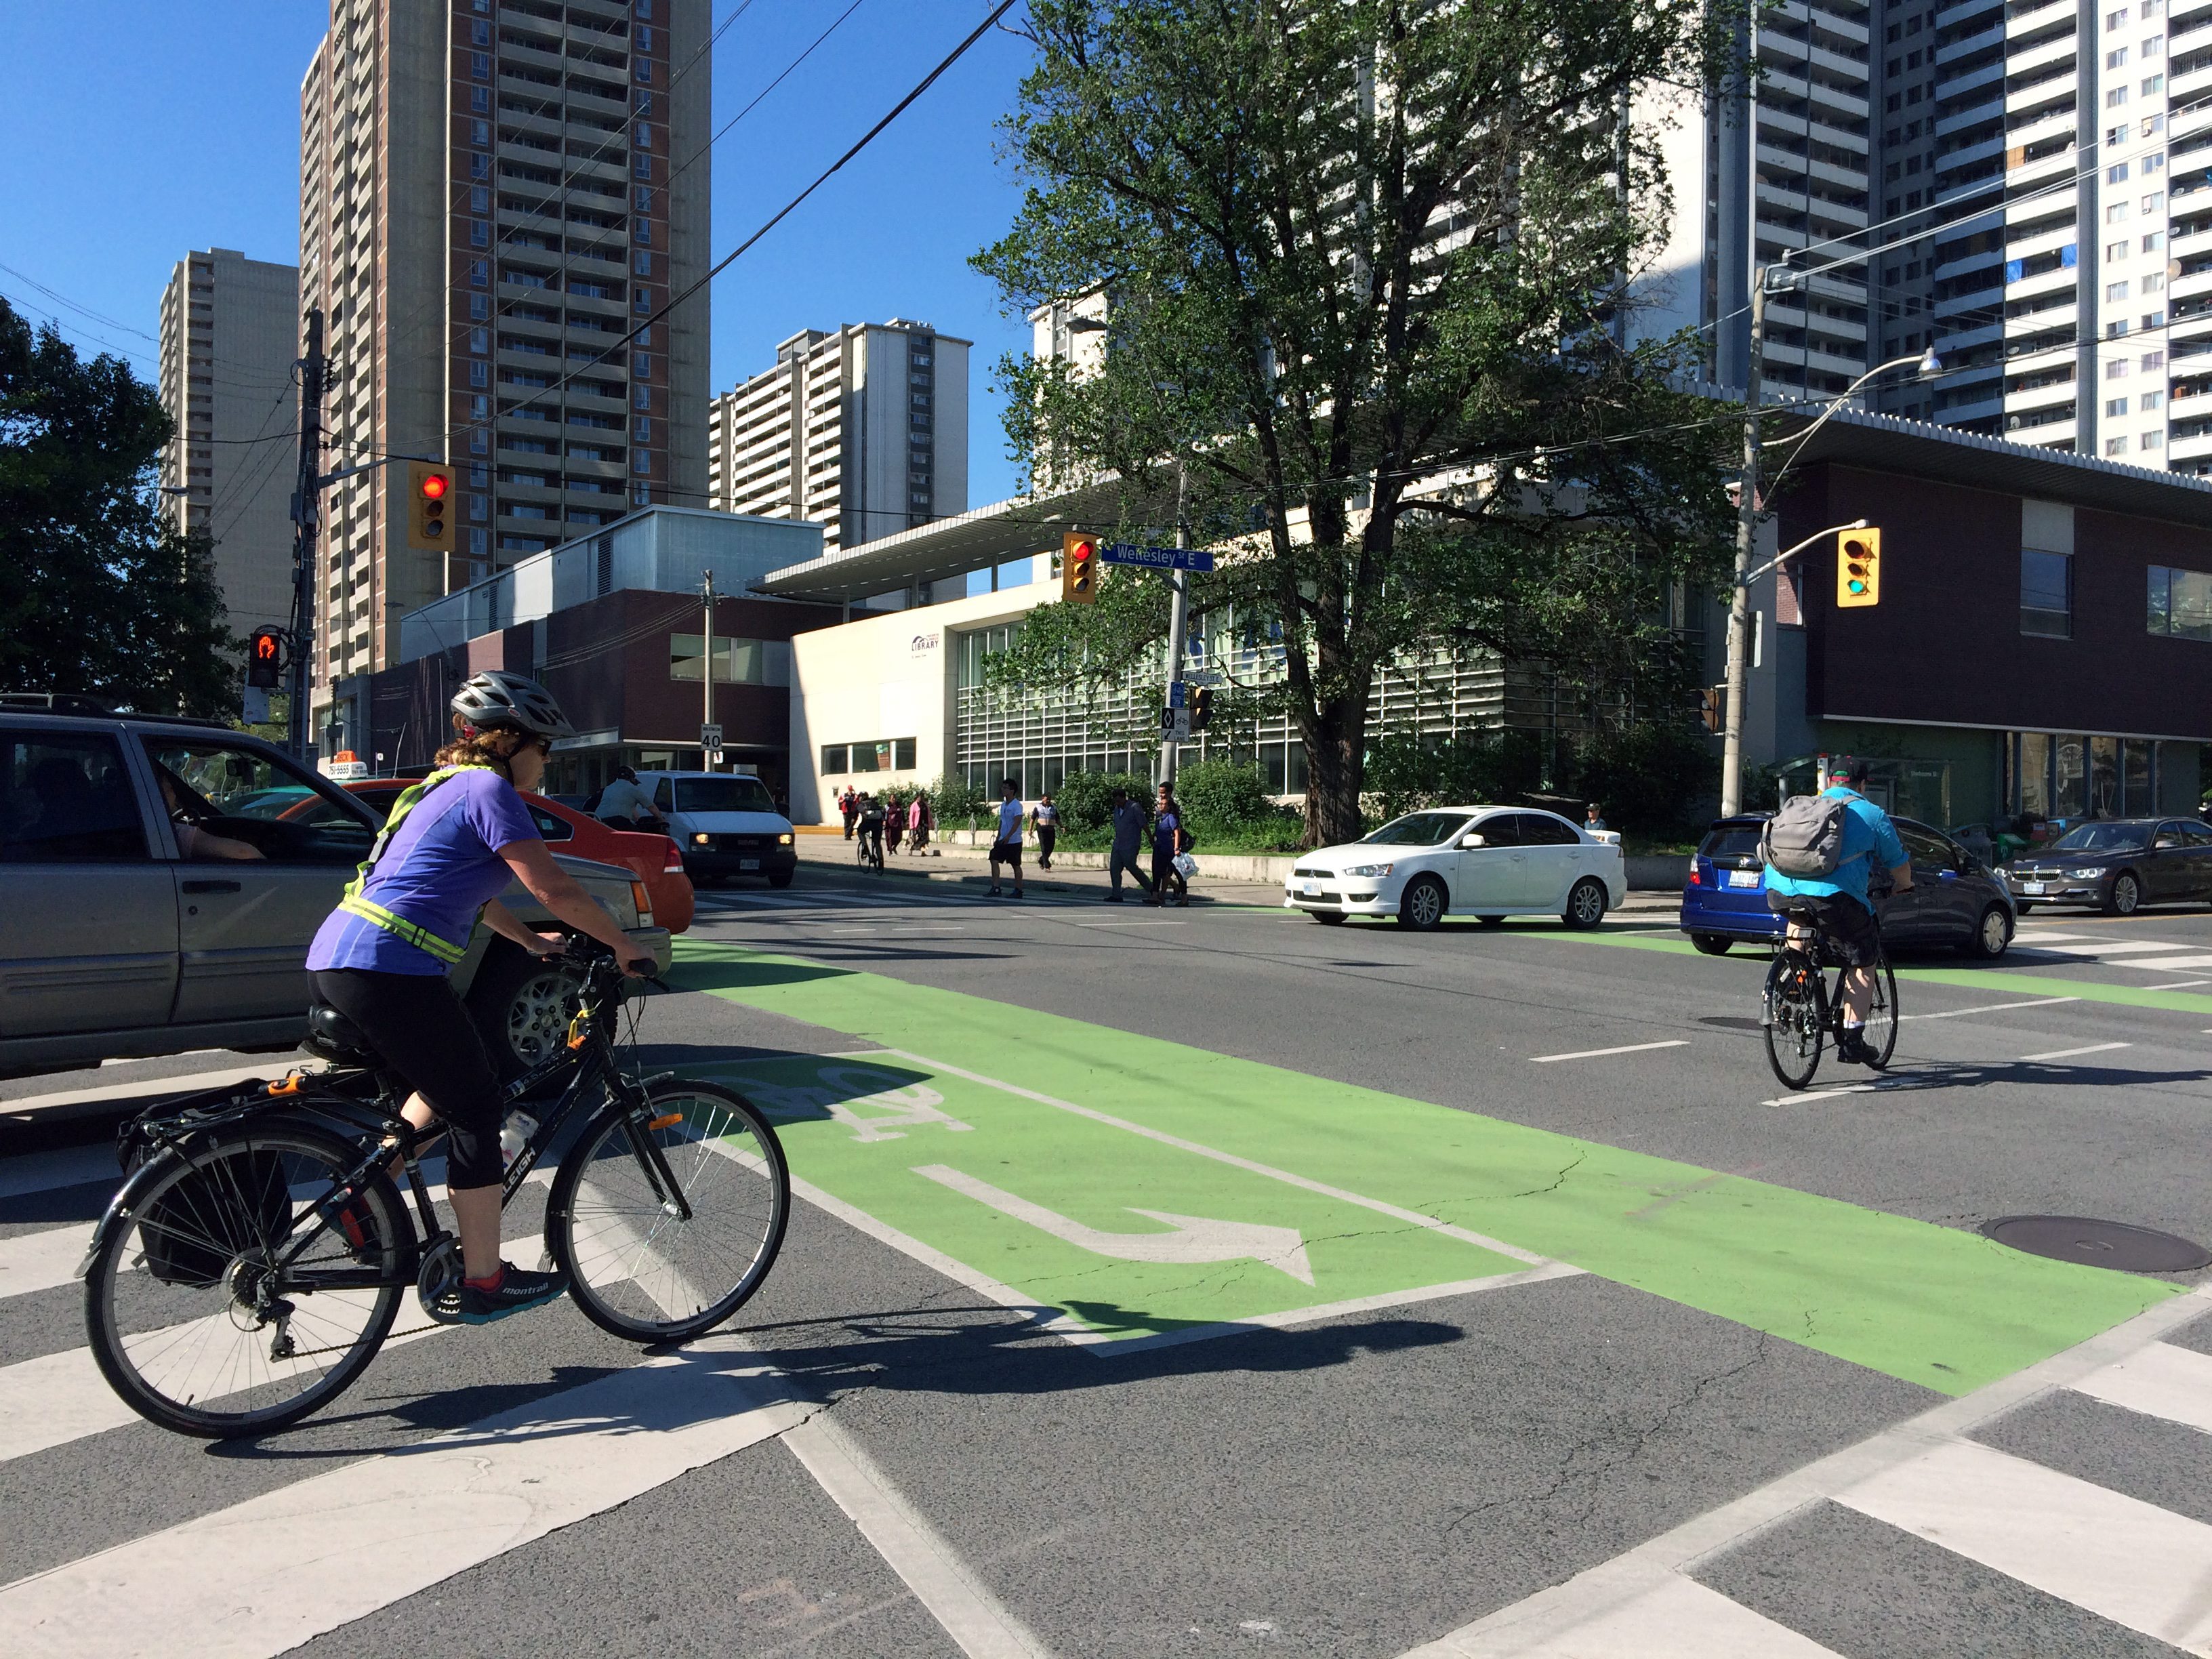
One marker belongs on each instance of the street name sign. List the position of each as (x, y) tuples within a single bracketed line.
[(1157, 558)]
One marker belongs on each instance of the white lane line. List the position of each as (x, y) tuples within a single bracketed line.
[(2069, 1053), (1598, 1054), (261, 1577), (145, 1087), (2170, 964), (40, 1260), (2134, 1563), (1804, 1095), (971, 1615), (2163, 1381), (2178, 985), (1992, 1008), (1465, 1235), (1540, 1624), (2115, 947), (1148, 922), (1677, 1618), (908, 927)]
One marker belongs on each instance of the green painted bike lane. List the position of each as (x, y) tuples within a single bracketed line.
[(1933, 1305)]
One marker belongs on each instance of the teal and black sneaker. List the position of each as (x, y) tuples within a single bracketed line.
[(515, 1291)]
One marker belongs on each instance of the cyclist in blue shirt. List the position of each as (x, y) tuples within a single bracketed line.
[(1839, 904)]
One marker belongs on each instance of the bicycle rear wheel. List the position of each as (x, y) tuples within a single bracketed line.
[(190, 1317), (1881, 1036), (1796, 1017), (667, 1217)]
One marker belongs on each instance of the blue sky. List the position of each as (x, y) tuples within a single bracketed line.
[(187, 137)]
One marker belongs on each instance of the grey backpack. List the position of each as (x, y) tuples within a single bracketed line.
[(1806, 837)]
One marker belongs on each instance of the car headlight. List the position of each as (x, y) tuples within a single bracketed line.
[(783, 841), (2090, 874), (1370, 870), (699, 840)]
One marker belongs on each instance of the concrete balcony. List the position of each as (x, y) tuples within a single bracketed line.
[(2190, 85), (2037, 398), (2194, 448)]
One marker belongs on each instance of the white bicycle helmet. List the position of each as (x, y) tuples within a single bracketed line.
[(497, 701)]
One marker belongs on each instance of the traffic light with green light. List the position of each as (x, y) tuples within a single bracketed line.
[(1858, 569)]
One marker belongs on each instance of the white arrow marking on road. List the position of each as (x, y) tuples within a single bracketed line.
[(1195, 1238)]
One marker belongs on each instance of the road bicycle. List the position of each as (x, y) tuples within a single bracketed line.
[(1803, 1014), (256, 1258), (872, 846)]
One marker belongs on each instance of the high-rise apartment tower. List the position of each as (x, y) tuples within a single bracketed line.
[(492, 197), (2030, 182), (229, 335), (864, 429)]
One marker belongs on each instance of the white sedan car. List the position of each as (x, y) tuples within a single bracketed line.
[(1489, 862)]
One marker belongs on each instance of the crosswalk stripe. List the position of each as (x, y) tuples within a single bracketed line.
[(2126, 1560), (265, 1575), (1677, 1618), (40, 1260), (2115, 947), (2163, 1381)]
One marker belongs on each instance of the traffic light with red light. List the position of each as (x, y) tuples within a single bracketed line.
[(429, 492), (1858, 567), (264, 658), (1078, 569)]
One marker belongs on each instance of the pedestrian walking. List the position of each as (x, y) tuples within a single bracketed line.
[(1594, 820), (1044, 818), (1007, 848), (894, 821), (1128, 837), (1168, 838), (918, 824), (849, 805)]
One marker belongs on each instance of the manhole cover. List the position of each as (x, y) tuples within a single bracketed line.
[(2098, 1243), (1730, 1022)]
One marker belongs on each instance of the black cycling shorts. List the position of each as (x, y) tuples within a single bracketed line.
[(1845, 922), (416, 1022)]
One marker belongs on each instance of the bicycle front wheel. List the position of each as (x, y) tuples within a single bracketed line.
[(1796, 1018), (196, 1316), (667, 1216), (1881, 1016)]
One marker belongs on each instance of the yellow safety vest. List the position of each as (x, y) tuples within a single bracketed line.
[(354, 905)]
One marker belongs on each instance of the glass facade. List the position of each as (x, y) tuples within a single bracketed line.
[(2071, 775)]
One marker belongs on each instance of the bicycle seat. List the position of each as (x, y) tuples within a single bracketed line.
[(334, 1037)]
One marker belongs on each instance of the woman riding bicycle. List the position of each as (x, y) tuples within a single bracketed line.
[(381, 957)]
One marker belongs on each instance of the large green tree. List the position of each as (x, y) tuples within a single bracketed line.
[(99, 594), (1366, 263)]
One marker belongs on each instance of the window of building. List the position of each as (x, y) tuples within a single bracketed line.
[(480, 167), (641, 397), (737, 662), (480, 133), (642, 167), (2154, 319), (2116, 291), (643, 264), (2116, 175), (2153, 360), (479, 272), (479, 34), (2114, 59), (874, 754), (2116, 446), (479, 507), (2155, 240), (2151, 283), (480, 66), (2116, 369), (2116, 97), (2153, 203), (2116, 251), (2150, 400), (2152, 439), (2154, 162), (642, 68), (643, 432), (479, 233), (639, 461), (480, 308), (2152, 84), (2046, 591), (644, 136), (2152, 124), (2152, 45), (644, 302), (2116, 406), (2180, 603), (2117, 19), (641, 364), (479, 442), (643, 105), (2116, 213), (480, 99), (645, 40), (479, 374)]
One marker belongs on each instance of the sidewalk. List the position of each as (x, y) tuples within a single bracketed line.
[(1085, 873)]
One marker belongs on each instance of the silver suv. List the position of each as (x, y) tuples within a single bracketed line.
[(116, 941)]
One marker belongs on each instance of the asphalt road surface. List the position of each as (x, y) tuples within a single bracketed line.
[(1203, 1281)]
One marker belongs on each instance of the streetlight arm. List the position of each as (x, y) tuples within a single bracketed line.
[(1745, 580), (329, 478)]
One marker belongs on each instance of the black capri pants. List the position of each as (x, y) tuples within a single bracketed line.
[(416, 1024)]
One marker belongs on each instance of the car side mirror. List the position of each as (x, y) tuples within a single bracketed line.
[(1473, 841)]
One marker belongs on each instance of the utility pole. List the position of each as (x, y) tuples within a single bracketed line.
[(1747, 531), (1178, 625), (706, 672), (307, 514)]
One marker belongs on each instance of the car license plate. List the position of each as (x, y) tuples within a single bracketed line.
[(748, 864), (1310, 890), (1746, 878), (2031, 887)]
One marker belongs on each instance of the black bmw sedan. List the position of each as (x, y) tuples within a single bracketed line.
[(2117, 865)]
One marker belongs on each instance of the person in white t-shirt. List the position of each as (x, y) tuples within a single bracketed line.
[(1007, 849), (626, 802)]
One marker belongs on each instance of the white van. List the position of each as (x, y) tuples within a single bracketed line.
[(726, 823)]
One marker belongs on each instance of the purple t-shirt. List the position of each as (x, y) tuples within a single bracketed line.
[(438, 871)]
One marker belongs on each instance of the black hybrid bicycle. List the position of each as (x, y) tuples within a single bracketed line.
[(256, 1256), (1803, 1014)]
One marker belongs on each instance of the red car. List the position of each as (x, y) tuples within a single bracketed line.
[(655, 859)]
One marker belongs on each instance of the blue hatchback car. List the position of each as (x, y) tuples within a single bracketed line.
[(1956, 900)]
